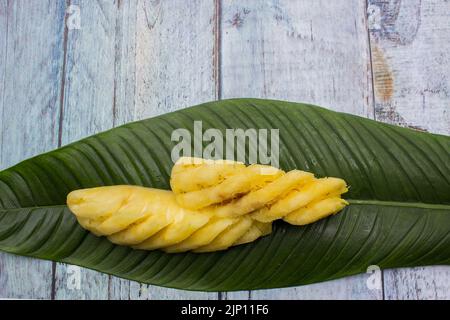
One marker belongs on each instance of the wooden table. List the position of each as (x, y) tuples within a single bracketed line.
[(72, 68)]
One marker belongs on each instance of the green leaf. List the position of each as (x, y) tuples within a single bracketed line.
[(399, 213)]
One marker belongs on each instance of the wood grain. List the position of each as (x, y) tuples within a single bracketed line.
[(30, 67), (410, 43), (351, 288), (422, 283), (315, 52), (174, 55), (303, 51)]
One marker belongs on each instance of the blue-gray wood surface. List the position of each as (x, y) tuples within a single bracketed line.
[(72, 68)]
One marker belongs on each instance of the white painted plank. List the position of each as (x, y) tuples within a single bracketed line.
[(421, 283), (168, 52), (30, 68), (410, 43), (131, 290), (88, 109), (357, 287), (3, 47), (307, 51), (121, 289), (125, 62), (174, 55)]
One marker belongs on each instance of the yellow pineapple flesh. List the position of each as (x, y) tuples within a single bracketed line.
[(147, 218), (228, 237), (213, 205)]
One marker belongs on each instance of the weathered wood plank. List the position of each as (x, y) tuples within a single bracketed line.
[(30, 75), (351, 288), (122, 289), (165, 61), (410, 43), (430, 283), (174, 55), (125, 61), (88, 109), (306, 51), (303, 51)]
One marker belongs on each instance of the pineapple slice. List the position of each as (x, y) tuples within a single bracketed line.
[(265, 197), (192, 174), (111, 209), (244, 180), (90, 224), (203, 236), (257, 230), (214, 205), (139, 232), (184, 224), (228, 237), (298, 198), (162, 211), (315, 211), (98, 202), (149, 219), (260, 197)]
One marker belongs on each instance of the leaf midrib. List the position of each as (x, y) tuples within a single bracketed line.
[(419, 205)]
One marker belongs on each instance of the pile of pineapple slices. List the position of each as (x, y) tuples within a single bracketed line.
[(213, 205)]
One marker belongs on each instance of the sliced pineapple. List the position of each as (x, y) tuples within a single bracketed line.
[(98, 202), (203, 236), (139, 232), (192, 174), (214, 205), (90, 224), (185, 223), (161, 211), (314, 190), (315, 211), (257, 230), (243, 181), (265, 195), (148, 219), (250, 190), (229, 236)]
